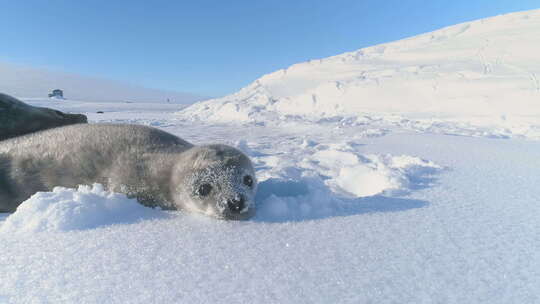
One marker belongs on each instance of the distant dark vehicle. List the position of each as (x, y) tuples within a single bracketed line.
[(56, 94), (99, 112)]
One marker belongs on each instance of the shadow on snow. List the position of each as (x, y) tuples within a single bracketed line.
[(292, 201)]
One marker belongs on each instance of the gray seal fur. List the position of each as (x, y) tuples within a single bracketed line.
[(157, 168), (18, 118)]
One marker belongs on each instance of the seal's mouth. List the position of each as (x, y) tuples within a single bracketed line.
[(234, 207), (234, 210)]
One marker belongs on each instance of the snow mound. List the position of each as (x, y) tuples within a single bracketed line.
[(66, 209), (366, 175), (333, 180), (478, 78)]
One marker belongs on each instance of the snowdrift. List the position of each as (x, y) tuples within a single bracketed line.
[(66, 209), (479, 78)]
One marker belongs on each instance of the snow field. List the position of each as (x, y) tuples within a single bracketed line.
[(468, 234)]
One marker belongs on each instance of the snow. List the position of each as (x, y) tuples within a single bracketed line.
[(478, 78), (74, 209), (463, 228), (386, 207)]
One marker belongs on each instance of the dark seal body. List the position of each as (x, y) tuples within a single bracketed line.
[(157, 168), (18, 118)]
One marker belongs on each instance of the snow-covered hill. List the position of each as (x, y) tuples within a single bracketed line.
[(25, 82), (476, 78)]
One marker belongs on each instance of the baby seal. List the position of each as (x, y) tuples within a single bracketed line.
[(157, 168), (18, 118)]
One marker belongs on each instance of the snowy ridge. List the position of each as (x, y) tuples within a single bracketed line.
[(479, 78)]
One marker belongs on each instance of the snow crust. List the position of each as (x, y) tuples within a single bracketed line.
[(479, 78)]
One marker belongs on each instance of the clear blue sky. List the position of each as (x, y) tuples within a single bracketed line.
[(214, 47)]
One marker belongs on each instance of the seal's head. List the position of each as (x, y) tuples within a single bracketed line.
[(216, 180)]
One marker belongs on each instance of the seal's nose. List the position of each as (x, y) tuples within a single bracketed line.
[(236, 204)]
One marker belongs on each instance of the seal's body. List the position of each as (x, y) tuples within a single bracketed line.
[(158, 168), (18, 118)]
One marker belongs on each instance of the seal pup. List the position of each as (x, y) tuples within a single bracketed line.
[(18, 118), (157, 168)]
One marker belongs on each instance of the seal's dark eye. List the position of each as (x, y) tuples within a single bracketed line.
[(248, 181), (204, 190)]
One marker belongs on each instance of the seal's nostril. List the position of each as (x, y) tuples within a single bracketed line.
[(236, 205)]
